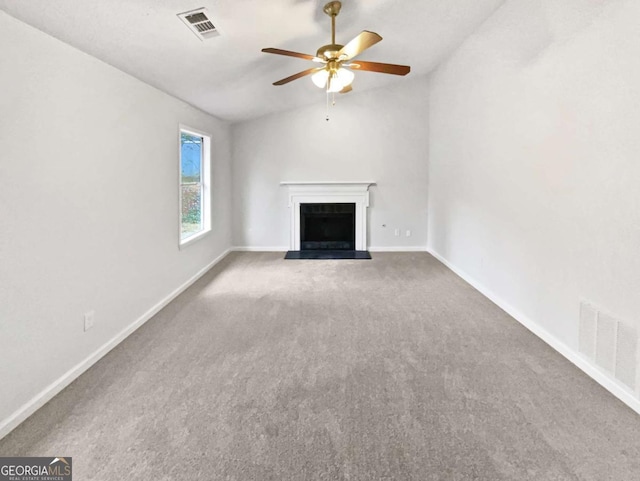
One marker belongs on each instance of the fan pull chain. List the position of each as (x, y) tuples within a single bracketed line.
[(327, 105)]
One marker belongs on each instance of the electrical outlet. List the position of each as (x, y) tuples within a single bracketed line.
[(397, 232), (408, 233), (89, 319)]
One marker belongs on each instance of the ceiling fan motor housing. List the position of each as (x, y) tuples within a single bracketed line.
[(330, 51)]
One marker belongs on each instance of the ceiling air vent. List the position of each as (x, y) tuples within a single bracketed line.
[(199, 23)]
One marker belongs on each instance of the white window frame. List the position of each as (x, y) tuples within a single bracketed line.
[(206, 185)]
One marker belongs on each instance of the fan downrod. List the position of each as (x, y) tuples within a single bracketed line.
[(330, 51)]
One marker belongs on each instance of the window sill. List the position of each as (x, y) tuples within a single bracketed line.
[(194, 238)]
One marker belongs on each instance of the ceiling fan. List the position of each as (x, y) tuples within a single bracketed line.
[(335, 74)]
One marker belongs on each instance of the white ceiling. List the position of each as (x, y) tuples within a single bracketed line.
[(228, 76)]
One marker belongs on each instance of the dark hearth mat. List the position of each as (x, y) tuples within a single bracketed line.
[(327, 254)]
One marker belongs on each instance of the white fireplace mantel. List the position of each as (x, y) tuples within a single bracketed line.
[(351, 192)]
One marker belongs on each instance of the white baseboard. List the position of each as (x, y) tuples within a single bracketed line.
[(260, 249), (370, 249), (9, 424), (398, 249), (620, 391)]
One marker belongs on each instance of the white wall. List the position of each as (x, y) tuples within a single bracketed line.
[(88, 206), (378, 135), (534, 181)]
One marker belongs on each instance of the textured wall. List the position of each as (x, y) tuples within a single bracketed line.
[(88, 206), (377, 135), (534, 160)]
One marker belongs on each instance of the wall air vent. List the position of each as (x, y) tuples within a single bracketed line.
[(610, 344), (199, 23)]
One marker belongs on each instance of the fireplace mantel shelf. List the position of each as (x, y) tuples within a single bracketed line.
[(327, 192)]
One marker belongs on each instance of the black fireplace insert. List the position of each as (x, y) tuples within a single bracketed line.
[(328, 226)]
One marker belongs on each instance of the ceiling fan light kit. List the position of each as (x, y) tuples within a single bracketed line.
[(333, 76), (333, 80)]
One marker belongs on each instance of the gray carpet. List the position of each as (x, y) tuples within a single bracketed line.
[(390, 369)]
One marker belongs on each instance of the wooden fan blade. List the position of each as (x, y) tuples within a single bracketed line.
[(296, 76), (346, 90), (380, 67), (359, 44), (288, 53)]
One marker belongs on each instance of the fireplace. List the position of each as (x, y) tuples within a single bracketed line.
[(336, 193), (328, 226)]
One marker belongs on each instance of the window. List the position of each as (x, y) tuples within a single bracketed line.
[(195, 158)]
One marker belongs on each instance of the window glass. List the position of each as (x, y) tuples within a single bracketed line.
[(191, 185)]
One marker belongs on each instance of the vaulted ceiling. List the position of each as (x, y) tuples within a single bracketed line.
[(228, 76)]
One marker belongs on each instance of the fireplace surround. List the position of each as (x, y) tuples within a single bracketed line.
[(336, 192)]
